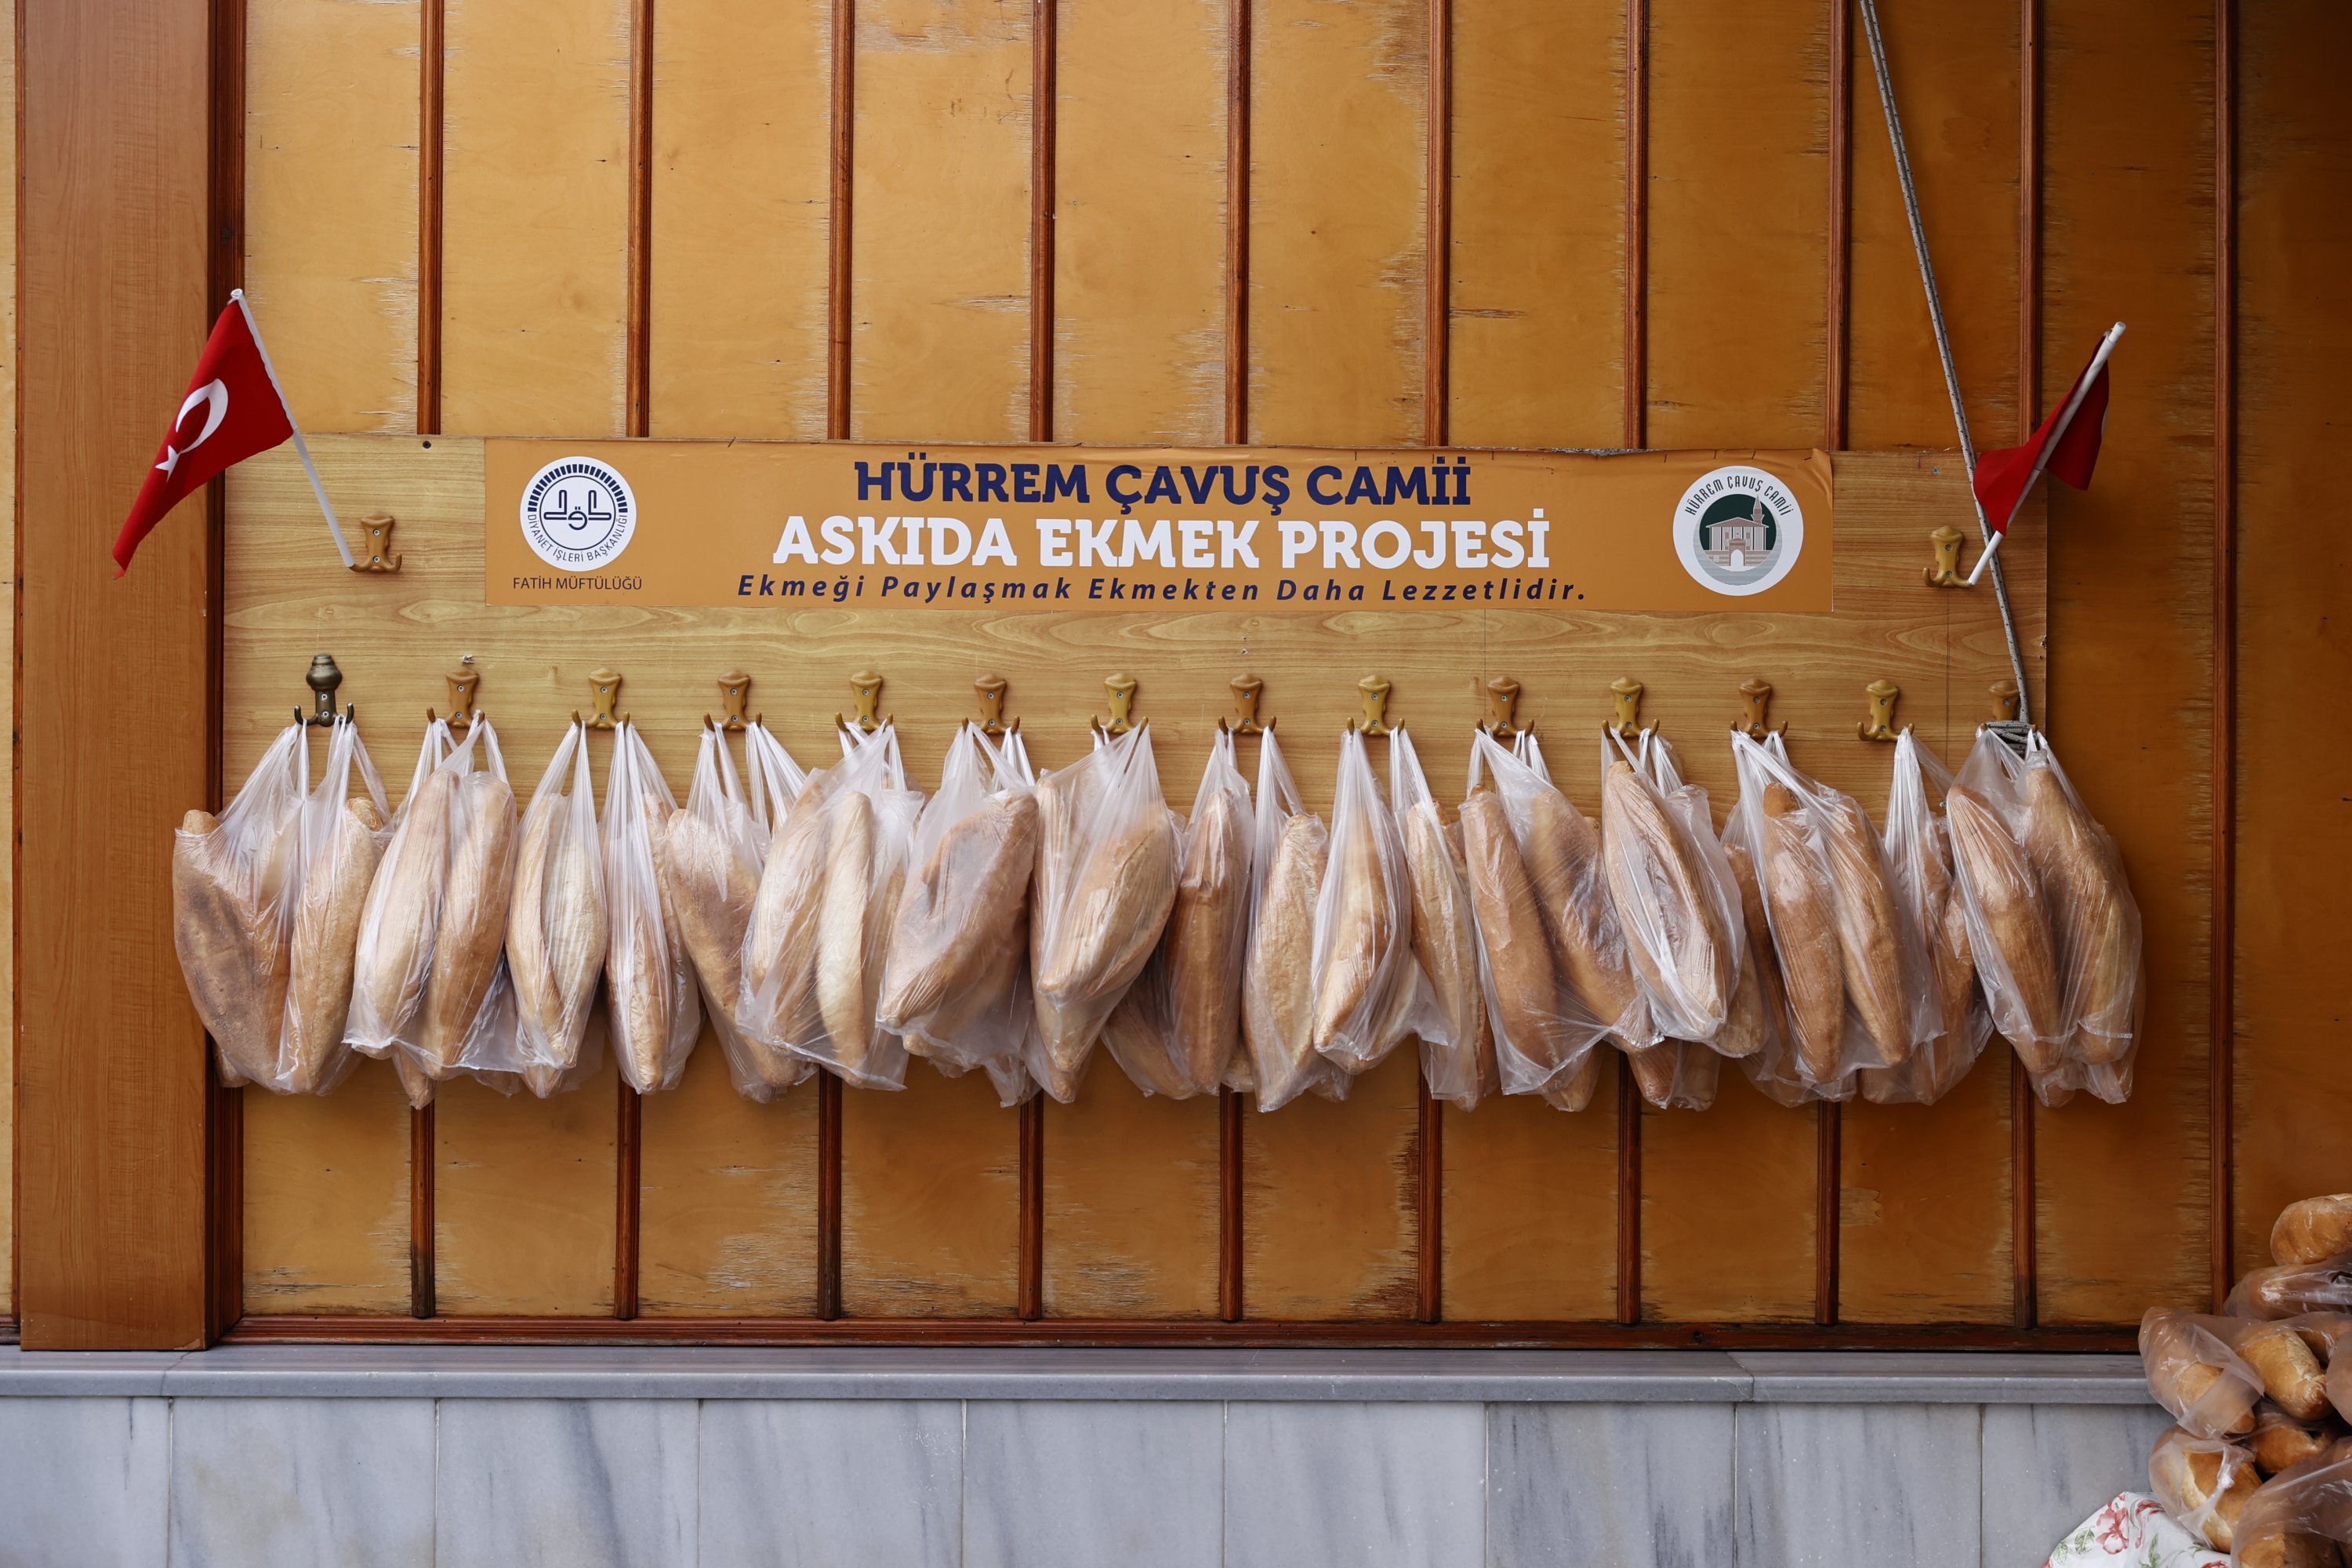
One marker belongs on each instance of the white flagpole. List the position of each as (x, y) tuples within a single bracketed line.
[(2057, 433), (301, 449)]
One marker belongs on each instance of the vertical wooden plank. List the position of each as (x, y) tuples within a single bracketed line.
[(1328, 1229), (1538, 248), (1956, 85), (739, 223), (2123, 1191), (523, 1200), (1130, 1203), (941, 151), (1530, 1228), (2221, 986), (930, 1181), (535, 271), (1737, 289), (2294, 829), (728, 1215), (111, 1071), (326, 1198), (1139, 203), (330, 204), (9, 521), (1337, 247)]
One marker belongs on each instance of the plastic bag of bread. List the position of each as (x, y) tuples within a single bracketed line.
[(1918, 852), (2204, 1483), (818, 941), (555, 922), (1743, 1033), (1681, 928), (709, 855), (2297, 1519), (1366, 982), (231, 918), (2280, 1441), (340, 842), (2192, 1371), (1520, 841), (466, 1023), (1457, 1044), (2291, 1289), (651, 1003), (2312, 1230), (1289, 849), (1175, 1031), (2288, 1354), (954, 985), (1105, 885)]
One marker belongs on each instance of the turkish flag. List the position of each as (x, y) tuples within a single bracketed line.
[(233, 410), (2067, 445)]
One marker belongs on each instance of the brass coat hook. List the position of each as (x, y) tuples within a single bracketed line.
[(378, 555), (1627, 692), (1756, 700), (1376, 706), (1880, 725), (735, 693), (1247, 689), (990, 689), (324, 680), (1120, 687), (1502, 709), (604, 685), (462, 682), (866, 687), (1946, 572)]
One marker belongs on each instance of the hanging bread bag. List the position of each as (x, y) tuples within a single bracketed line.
[(650, 991), (1366, 982), (340, 845), (1681, 928), (1918, 852), (1289, 850), (401, 920), (1457, 1042), (556, 930)]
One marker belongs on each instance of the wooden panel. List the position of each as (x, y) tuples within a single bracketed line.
[(1330, 1225), (1727, 1210), (1538, 243), (535, 228), (728, 1219), (929, 1190), (8, 186), (741, 147), (1924, 1205), (112, 1073), (330, 204), (1139, 199), (522, 1199), (1338, 96), (1531, 1209), (2124, 1189), (326, 1198), (1131, 1202), (940, 225), (2294, 827), (1738, 223)]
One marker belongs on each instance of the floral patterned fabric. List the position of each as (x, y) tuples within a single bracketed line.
[(2134, 1529)]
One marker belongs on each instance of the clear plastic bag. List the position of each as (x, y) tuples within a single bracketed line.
[(2311, 1230), (1675, 903), (2298, 1518), (709, 855), (955, 984), (2291, 1289), (650, 990), (1918, 852), (341, 842), (1105, 884), (1457, 1043), (1175, 1031), (2204, 1483), (2192, 1371), (1512, 822), (556, 928), (1365, 978), (2280, 1441), (818, 941), (2289, 1355), (1289, 851)]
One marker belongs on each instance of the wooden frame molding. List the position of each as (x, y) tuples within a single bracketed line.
[(2223, 1021)]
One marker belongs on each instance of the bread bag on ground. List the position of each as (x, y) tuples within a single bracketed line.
[(2282, 1353), (555, 921), (1457, 1049), (2312, 1230), (2204, 1483), (2297, 1519), (1918, 851), (1288, 852), (650, 991), (2280, 1441), (1680, 929), (2192, 1371), (2291, 1289)]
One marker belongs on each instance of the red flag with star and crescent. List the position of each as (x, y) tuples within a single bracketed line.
[(231, 411)]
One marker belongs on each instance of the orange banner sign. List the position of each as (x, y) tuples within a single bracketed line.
[(767, 524)]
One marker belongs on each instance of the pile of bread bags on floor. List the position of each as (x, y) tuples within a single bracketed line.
[(2260, 1463), (1009, 922)]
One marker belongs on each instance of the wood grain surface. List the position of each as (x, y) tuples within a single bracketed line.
[(326, 1198), (930, 1181), (1328, 1222), (523, 1199), (1131, 1202), (1530, 1209)]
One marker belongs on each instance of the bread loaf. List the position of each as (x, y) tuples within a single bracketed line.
[(2287, 1289), (326, 945), (1563, 857), (647, 967), (1278, 979), (1445, 937), (847, 990), (536, 1010), (1662, 901), (2202, 1484), (2292, 1375), (1139, 1044), (953, 923), (1362, 927), (1869, 928), (1574, 1091), (470, 931), (2312, 1230), (2192, 1372), (2279, 1440), (1654, 1069), (225, 948), (556, 936), (2090, 916), (404, 908), (779, 941), (1804, 901), (1489, 1070), (1763, 966), (2286, 1549), (1118, 906), (1519, 960), (2009, 904), (1063, 1037), (1206, 928), (414, 1081)]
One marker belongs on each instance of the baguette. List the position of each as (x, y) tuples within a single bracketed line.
[(470, 933), (2090, 917), (1206, 928), (1574, 1092), (1563, 857), (648, 965), (779, 941), (402, 912), (1445, 937), (2209, 1388), (2202, 1482), (2287, 1549), (949, 934), (1660, 891), (1139, 1048), (1802, 899), (2292, 1375), (1063, 1039), (1277, 978), (538, 1012), (2312, 1230), (1117, 909), (1362, 928), (2009, 906), (2289, 1289), (709, 891), (1868, 928), (1762, 962), (224, 953), (1525, 993), (556, 937), (326, 945), (1489, 1070), (846, 991), (2279, 1442), (1654, 1069)]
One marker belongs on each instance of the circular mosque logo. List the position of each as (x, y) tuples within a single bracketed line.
[(578, 513), (1738, 531)]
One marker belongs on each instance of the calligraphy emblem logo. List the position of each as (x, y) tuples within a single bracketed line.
[(1738, 531), (578, 513)]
